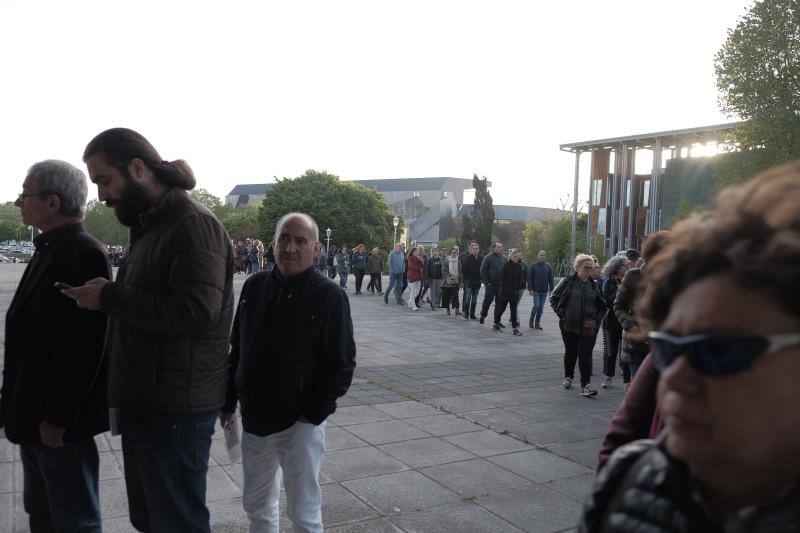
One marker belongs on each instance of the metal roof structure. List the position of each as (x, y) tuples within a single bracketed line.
[(683, 137), (383, 185), (517, 212)]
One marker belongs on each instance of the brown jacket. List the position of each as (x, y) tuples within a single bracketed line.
[(171, 310)]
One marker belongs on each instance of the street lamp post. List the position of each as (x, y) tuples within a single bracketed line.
[(31, 228), (328, 235), (395, 221)]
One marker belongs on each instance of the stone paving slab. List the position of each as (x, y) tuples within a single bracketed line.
[(448, 426)]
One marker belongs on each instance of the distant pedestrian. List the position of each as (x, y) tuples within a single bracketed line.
[(331, 260), (471, 279), (414, 278), (612, 331), (433, 273), (540, 282), (396, 267), (491, 269), (511, 281), (358, 261), (423, 254), (342, 260), (579, 305), (451, 274), (375, 266)]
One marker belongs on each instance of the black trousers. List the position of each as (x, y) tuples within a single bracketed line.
[(578, 348), (611, 351), (503, 300), (359, 279), (450, 297), (375, 283), (489, 294)]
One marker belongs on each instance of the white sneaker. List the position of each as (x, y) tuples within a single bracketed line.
[(588, 391), (567, 384)]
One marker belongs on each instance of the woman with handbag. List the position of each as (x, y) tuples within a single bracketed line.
[(579, 305)]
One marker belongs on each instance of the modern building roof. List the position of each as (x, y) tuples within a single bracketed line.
[(517, 212), (669, 138), (383, 185)]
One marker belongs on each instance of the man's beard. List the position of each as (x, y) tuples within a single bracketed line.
[(132, 202)]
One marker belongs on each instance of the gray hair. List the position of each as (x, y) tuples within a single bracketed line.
[(65, 181), (614, 264), (309, 220)]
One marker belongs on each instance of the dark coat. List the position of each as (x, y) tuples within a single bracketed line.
[(540, 277), (491, 267), (571, 305), (512, 279), (471, 269), (629, 293), (292, 350), (54, 366), (171, 308)]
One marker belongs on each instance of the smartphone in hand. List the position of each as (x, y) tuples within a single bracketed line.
[(61, 285)]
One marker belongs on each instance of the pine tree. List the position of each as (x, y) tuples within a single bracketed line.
[(482, 213)]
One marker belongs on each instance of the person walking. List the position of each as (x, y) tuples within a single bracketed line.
[(414, 278), (613, 272), (634, 346), (579, 306), (540, 283), (511, 281), (433, 272), (331, 261), (451, 273), (423, 254), (491, 269), (359, 263), (343, 266), (396, 269), (471, 277), (375, 266)]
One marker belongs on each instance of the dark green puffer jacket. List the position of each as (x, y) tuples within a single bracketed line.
[(171, 309)]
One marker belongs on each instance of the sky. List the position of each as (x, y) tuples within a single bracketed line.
[(248, 91)]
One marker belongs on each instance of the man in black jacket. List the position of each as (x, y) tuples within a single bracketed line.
[(170, 309), (53, 399), (292, 356), (491, 267), (471, 277)]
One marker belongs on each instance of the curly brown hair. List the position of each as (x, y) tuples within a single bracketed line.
[(752, 234)]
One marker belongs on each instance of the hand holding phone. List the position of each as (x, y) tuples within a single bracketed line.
[(61, 285)]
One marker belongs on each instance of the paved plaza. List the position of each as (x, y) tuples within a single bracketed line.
[(448, 427)]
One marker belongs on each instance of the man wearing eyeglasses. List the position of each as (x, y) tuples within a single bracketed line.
[(53, 399)]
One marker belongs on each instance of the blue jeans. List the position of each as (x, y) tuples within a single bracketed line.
[(488, 298), (471, 291), (60, 491), (396, 283), (332, 271), (166, 463), (255, 267), (539, 298), (343, 280)]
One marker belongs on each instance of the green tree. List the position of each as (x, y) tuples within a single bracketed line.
[(684, 209), (207, 199), (559, 237), (103, 224), (758, 76), (12, 231), (354, 213), (482, 212), (534, 238), (242, 223)]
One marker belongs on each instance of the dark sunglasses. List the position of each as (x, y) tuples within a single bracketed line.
[(716, 355)]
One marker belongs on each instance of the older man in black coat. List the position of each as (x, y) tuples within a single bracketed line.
[(53, 399)]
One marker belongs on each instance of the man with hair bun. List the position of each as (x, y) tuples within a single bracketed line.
[(170, 310)]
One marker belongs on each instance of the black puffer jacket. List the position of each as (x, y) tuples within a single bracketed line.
[(642, 488), (575, 301), (171, 309), (292, 350)]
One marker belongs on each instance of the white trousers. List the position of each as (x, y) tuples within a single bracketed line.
[(413, 288), (295, 455)]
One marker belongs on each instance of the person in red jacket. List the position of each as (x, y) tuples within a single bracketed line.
[(414, 277)]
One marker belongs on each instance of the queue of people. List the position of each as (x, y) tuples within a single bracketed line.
[(159, 354)]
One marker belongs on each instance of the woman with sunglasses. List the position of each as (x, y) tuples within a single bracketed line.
[(579, 306), (722, 307)]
